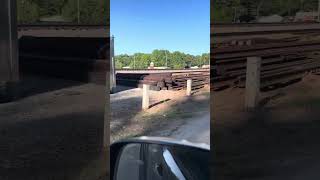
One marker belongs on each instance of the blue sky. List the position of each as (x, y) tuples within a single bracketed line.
[(175, 25)]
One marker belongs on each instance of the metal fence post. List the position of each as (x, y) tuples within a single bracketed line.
[(252, 82)]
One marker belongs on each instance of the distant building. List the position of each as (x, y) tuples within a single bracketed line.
[(55, 19), (306, 17), (153, 67), (161, 67), (270, 19), (205, 66)]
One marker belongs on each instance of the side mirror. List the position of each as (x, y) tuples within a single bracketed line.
[(159, 159)]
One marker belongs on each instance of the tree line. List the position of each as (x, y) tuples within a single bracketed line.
[(91, 11), (161, 58), (247, 10)]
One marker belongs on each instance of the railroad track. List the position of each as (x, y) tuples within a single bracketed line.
[(221, 30), (261, 24)]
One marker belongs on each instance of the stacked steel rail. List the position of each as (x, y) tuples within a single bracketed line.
[(282, 63), (165, 80)]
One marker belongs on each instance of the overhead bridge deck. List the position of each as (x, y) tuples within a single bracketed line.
[(63, 30)]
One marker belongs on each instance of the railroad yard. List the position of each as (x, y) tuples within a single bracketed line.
[(279, 136), (170, 108), (170, 111)]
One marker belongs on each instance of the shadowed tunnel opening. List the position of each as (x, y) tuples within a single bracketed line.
[(71, 58), (53, 63)]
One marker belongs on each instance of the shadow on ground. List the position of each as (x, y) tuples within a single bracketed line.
[(120, 88), (273, 143), (50, 148), (32, 85)]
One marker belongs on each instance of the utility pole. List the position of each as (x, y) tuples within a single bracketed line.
[(78, 11), (235, 15), (166, 59), (301, 5), (134, 62), (319, 11)]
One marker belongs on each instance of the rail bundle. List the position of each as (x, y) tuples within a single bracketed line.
[(281, 63), (165, 80)]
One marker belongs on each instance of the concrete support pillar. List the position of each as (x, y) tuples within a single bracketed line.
[(107, 116), (9, 66), (145, 96), (189, 87), (112, 74), (249, 42), (252, 82)]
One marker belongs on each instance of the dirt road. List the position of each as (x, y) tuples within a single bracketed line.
[(172, 114)]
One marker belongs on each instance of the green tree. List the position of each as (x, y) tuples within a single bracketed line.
[(28, 11), (176, 60), (91, 11), (225, 10)]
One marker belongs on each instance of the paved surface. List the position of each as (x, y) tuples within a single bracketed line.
[(196, 129)]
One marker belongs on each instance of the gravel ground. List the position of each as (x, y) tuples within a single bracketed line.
[(195, 130), (171, 110), (54, 132)]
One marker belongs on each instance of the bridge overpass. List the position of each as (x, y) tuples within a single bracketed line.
[(71, 51)]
